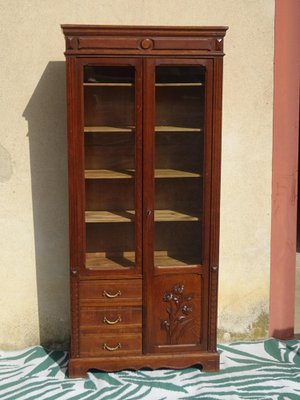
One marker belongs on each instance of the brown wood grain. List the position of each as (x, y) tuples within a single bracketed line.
[(149, 154)]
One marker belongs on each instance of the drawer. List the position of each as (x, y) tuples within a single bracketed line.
[(109, 293), (110, 345), (111, 319)]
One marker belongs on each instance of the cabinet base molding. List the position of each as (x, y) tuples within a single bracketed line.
[(207, 362)]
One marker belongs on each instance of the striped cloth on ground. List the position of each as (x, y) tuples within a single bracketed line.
[(268, 369)]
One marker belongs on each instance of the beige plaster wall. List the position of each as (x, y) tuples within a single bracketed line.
[(34, 296)]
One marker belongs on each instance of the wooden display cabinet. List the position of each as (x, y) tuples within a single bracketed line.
[(144, 133)]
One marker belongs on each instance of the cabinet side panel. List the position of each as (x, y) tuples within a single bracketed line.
[(73, 206), (215, 202)]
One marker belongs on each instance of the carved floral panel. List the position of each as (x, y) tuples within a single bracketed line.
[(179, 312)]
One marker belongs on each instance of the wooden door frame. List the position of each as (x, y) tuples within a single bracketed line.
[(211, 198), (80, 248), (284, 168)]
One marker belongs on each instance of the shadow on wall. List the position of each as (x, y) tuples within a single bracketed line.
[(46, 116)]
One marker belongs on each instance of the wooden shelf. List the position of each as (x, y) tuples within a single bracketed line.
[(117, 84), (164, 259), (179, 84), (108, 174), (175, 129), (129, 129), (116, 260), (126, 259), (117, 216), (108, 129), (174, 173), (128, 84), (171, 215), (129, 174), (109, 216)]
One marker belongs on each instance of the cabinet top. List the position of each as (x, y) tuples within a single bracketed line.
[(143, 40)]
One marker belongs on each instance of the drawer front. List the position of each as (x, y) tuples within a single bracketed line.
[(110, 345), (107, 319), (111, 293)]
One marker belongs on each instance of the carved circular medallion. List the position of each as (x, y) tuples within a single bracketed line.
[(146, 44)]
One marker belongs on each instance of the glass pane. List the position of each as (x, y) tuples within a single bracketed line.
[(179, 141), (109, 137)]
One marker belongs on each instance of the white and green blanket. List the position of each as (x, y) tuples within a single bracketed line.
[(262, 370)]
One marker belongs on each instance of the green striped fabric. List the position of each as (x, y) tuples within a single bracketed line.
[(258, 370)]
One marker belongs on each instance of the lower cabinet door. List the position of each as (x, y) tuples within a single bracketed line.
[(179, 320)]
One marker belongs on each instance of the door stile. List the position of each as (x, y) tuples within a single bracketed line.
[(207, 189), (215, 202), (72, 91), (80, 174), (148, 195), (139, 166)]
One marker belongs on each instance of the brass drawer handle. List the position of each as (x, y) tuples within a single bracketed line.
[(107, 321), (105, 347), (111, 296)]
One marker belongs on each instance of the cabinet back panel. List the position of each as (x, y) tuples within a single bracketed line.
[(109, 151), (172, 104), (168, 194), (112, 106), (105, 194), (179, 151), (179, 239), (110, 237)]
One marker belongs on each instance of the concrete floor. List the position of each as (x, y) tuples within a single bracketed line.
[(297, 297)]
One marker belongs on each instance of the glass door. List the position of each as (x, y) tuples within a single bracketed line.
[(177, 183), (112, 131), (179, 165)]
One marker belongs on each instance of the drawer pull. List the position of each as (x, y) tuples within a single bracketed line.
[(105, 347), (111, 296), (107, 321)]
